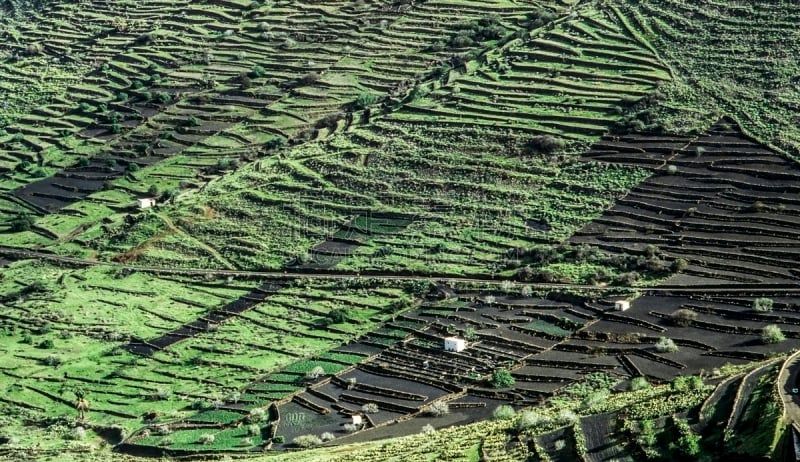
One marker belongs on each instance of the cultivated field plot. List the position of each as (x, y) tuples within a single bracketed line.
[(720, 201)]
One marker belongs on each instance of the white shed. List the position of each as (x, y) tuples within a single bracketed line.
[(622, 305), (454, 344), (357, 419), (145, 202)]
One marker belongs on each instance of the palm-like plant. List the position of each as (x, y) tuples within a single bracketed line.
[(81, 404)]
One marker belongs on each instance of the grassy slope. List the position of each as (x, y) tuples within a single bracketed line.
[(733, 58)]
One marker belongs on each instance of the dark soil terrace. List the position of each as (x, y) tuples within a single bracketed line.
[(721, 201), (621, 344)]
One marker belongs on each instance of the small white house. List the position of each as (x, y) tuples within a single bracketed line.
[(622, 305), (357, 419), (454, 344), (145, 202)]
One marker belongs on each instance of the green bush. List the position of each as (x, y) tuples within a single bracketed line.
[(501, 378), (307, 441), (504, 412), (666, 345), (639, 383), (762, 304), (365, 99), (772, 334), (21, 223)]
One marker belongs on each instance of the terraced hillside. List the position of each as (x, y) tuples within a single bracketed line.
[(400, 196), (342, 185)]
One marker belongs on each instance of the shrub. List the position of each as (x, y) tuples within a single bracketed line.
[(679, 265), (163, 97), (530, 419), (21, 223), (683, 317), (33, 49), (350, 427), (52, 360), (46, 344), (504, 412), (772, 334), (428, 429), (694, 383), (762, 304), (206, 438), (501, 378), (666, 345), (566, 417), (680, 383), (307, 441), (327, 436), (595, 398), (365, 99), (316, 372), (545, 144), (337, 316), (438, 409), (256, 415), (280, 439), (257, 72), (309, 79), (526, 291), (639, 383), (370, 408)]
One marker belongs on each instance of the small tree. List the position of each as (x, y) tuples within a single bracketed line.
[(253, 430), (428, 429), (666, 345), (327, 436), (762, 304), (501, 378), (526, 291), (206, 438), (772, 334)]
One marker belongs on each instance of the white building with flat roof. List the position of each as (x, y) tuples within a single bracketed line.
[(145, 202), (454, 344), (622, 305)]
